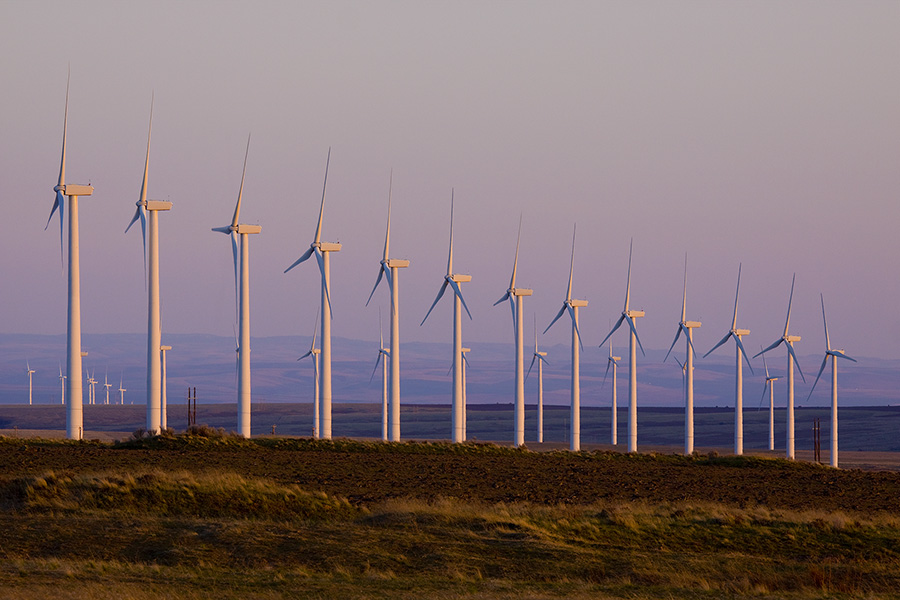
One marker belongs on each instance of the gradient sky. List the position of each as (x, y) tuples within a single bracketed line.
[(761, 133)]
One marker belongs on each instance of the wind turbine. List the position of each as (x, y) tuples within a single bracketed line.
[(788, 341), (571, 306), (244, 231), (834, 354), (687, 328), (389, 270), (322, 251), (453, 280), (30, 372), (465, 388), (539, 357), (629, 316), (122, 391), (736, 333), (612, 362), (516, 303), (382, 351), (770, 387), (107, 385), (91, 382), (74, 411), (163, 415), (62, 385), (313, 353), (148, 210)]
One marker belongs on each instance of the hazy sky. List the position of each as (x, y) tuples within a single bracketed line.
[(762, 133)]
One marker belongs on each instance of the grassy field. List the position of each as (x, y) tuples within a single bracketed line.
[(203, 515)]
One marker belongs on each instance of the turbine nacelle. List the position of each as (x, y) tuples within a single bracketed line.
[(73, 189), (458, 278), (395, 263), (155, 205)]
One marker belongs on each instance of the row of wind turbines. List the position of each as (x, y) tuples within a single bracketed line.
[(147, 211)]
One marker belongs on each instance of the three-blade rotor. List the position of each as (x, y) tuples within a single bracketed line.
[(568, 305), (450, 277), (60, 202), (141, 211), (734, 332), (511, 291), (829, 351), (384, 271), (233, 228), (627, 314), (785, 338)]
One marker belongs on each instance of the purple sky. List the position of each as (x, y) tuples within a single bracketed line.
[(762, 133)]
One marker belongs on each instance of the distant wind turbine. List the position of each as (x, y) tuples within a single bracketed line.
[(313, 354), (736, 333), (91, 390), (390, 271), (687, 328), (30, 372), (571, 306), (244, 231), (453, 280), (770, 387), (629, 316), (122, 391), (74, 411), (614, 418), (148, 210), (62, 385), (788, 341), (539, 357), (322, 251), (382, 351), (516, 301), (833, 354), (107, 385)]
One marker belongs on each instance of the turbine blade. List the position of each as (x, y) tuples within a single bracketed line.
[(787, 321), (722, 341), (740, 346), (137, 215), (606, 373), (772, 347), (433, 304), (842, 355), (571, 264), (512, 307), (796, 362), (825, 321), (142, 213), (533, 358), (387, 233), (143, 197), (458, 292), (503, 298), (765, 364), (512, 281), (305, 355), (325, 285), (377, 361), (234, 253), (636, 336), (675, 341), (821, 369), (690, 343), (556, 318), (684, 295), (450, 253), (628, 284), (613, 330), (737, 294), (761, 398), (575, 324), (322, 206), (303, 257), (237, 207), (377, 281)]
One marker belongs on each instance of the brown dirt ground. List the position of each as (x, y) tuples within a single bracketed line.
[(538, 477)]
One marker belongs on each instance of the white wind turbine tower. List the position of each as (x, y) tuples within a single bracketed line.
[(770, 387), (687, 327), (322, 251), (122, 391), (313, 353), (539, 357), (382, 351), (148, 210), (30, 372), (91, 382), (453, 280), (629, 316), (788, 340), (833, 354), (62, 385), (74, 412), (516, 302), (107, 385), (571, 306), (163, 414), (614, 419), (390, 271), (736, 333), (244, 231)]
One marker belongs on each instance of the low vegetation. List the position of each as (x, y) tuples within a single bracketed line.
[(145, 532)]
